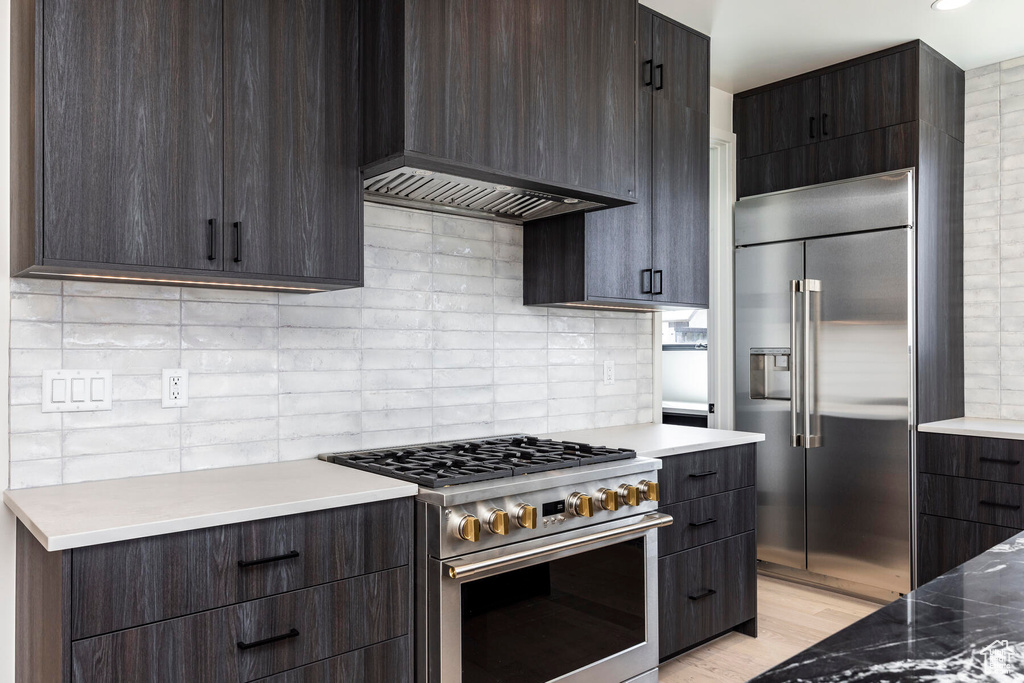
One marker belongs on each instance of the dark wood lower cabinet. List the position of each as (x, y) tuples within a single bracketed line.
[(947, 543), (707, 558), (321, 596), (706, 591)]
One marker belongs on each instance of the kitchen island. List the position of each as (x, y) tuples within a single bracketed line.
[(966, 625)]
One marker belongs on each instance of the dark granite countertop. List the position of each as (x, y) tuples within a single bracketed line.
[(966, 625)]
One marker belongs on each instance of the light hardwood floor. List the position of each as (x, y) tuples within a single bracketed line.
[(790, 618)]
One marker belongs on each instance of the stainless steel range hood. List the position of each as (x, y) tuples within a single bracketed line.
[(435, 190)]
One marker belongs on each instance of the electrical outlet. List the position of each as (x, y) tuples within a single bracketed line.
[(175, 388), (609, 372)]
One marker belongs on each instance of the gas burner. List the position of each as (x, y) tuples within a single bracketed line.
[(462, 462)]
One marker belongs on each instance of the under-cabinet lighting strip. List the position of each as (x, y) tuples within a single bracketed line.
[(209, 283)]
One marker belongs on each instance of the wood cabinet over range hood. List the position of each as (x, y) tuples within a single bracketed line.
[(515, 110)]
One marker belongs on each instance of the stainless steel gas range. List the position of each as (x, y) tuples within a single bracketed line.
[(536, 559)]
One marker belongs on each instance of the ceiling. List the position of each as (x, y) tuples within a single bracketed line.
[(754, 42)]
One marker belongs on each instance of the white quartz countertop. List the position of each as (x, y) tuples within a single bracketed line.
[(658, 440), (91, 513), (976, 426)]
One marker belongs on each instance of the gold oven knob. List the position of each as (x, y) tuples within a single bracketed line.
[(468, 528), (650, 490), (580, 505), (497, 522), (526, 516), (629, 495), (609, 499)]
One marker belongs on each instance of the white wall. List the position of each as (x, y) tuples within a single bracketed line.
[(436, 346), (994, 241), (6, 518), (721, 110)]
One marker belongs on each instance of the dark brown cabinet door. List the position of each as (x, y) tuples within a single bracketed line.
[(293, 200), (777, 171), (875, 151), (752, 120), (795, 120), (681, 173), (873, 94), (618, 241), (602, 114), (132, 135)]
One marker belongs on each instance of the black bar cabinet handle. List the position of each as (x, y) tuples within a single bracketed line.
[(648, 72), (709, 520), (992, 503), (1001, 461), (646, 281), (238, 242), (659, 72), (700, 596), (293, 633), (812, 127), (698, 475), (661, 280), (824, 125), (212, 255), (276, 558)]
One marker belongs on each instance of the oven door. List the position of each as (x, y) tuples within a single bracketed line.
[(570, 607)]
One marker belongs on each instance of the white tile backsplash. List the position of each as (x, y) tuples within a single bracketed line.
[(436, 346), (994, 242)]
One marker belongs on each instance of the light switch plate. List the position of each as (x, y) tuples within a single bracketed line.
[(76, 391)]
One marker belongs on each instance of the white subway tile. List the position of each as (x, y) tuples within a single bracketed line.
[(35, 446), (222, 337), (228, 455), (30, 473), (121, 439), (129, 311), (118, 465)]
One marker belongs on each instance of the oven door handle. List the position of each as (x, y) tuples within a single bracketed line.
[(651, 521)]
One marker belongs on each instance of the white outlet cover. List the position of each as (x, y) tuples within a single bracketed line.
[(609, 372), (175, 380)]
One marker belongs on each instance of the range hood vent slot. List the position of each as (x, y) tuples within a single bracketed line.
[(428, 190)]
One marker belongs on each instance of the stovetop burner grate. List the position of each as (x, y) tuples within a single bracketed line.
[(462, 462)]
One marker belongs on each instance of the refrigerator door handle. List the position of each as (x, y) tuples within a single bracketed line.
[(796, 438), (811, 325)]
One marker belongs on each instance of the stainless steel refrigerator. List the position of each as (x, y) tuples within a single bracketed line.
[(824, 368)]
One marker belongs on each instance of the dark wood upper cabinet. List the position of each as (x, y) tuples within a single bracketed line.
[(131, 146), (535, 94), (847, 120), (653, 254), (870, 95), (146, 130), (291, 75)]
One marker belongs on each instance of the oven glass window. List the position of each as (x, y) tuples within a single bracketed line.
[(537, 623)]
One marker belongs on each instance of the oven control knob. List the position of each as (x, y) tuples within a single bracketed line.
[(629, 495), (649, 490), (580, 505), (468, 528), (525, 516), (609, 499), (497, 522)]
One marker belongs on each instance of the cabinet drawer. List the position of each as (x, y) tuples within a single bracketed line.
[(323, 622), (948, 543), (972, 500), (389, 662), (704, 520), (705, 591), (971, 456), (703, 473), (121, 585)]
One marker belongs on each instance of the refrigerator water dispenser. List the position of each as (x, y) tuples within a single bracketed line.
[(769, 374)]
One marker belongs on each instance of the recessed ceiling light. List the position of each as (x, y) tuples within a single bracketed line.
[(949, 4)]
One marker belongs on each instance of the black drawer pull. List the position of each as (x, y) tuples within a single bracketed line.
[(276, 558), (659, 74), (999, 460), (238, 242), (700, 596), (646, 281), (648, 76), (991, 503), (824, 125), (661, 280), (812, 127), (212, 255), (709, 520), (294, 633), (698, 475)]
